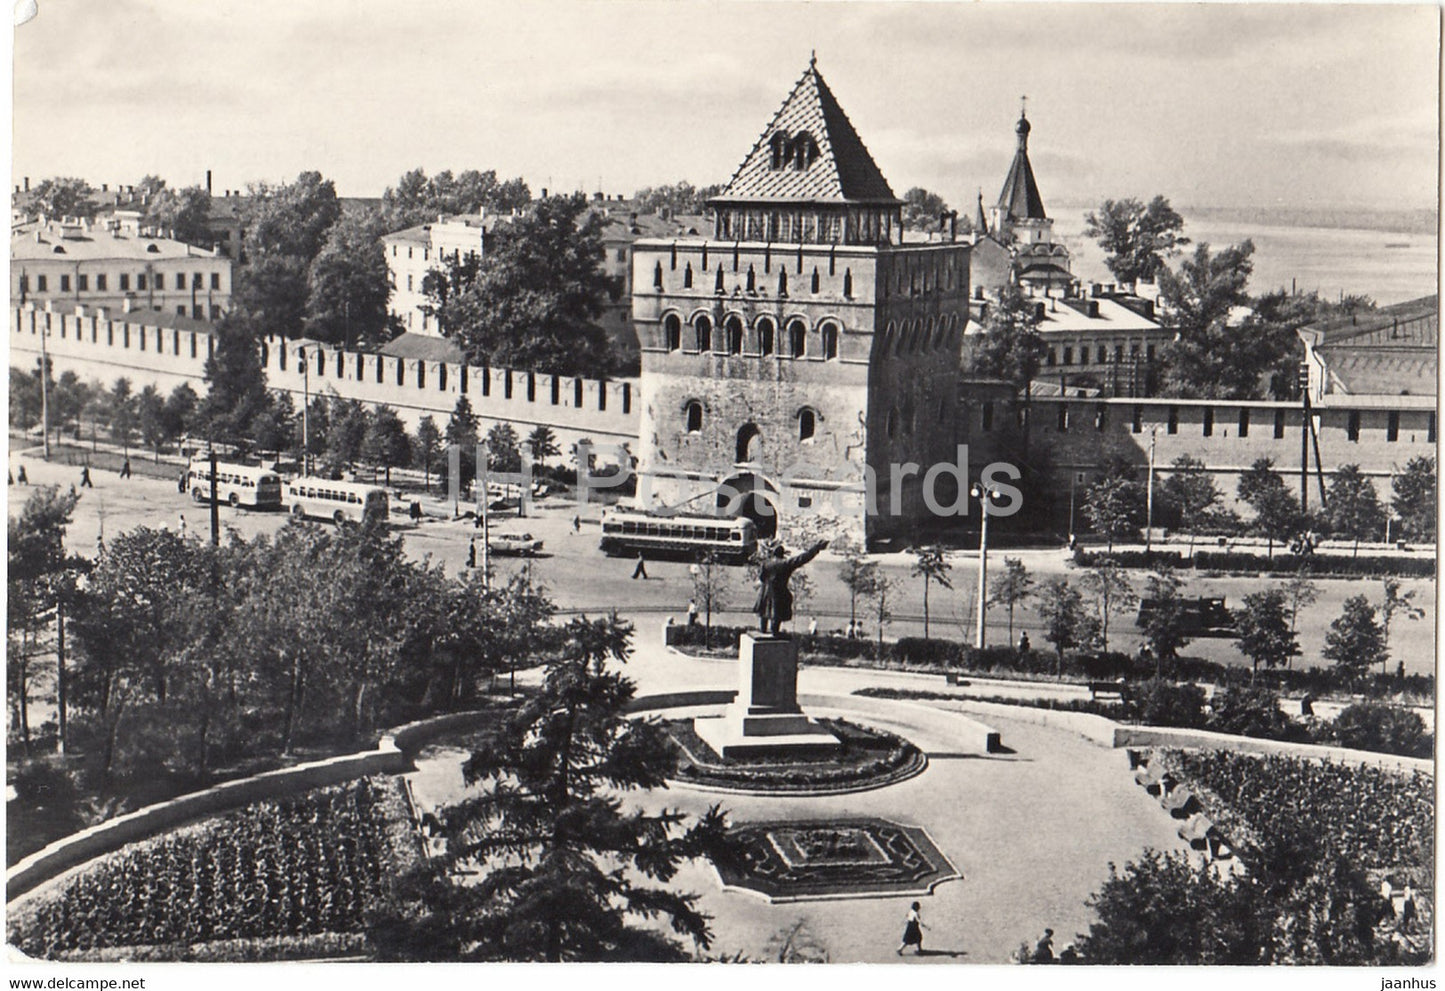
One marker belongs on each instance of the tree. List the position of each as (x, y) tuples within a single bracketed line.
[(1265, 636), (922, 208), (1009, 346), (1276, 513), (1011, 589), (677, 198), (286, 228), (124, 417), (417, 199), (1351, 507), (64, 196), (504, 451), (236, 384), (461, 434), (348, 285), (857, 574), (1413, 498), (930, 564), (1301, 594), (1190, 492), (180, 411), (538, 294), (880, 591), (1136, 238), (1163, 622), (1067, 624), (1114, 507), (1355, 640), (349, 424), (1396, 603), (564, 864), (542, 443), (711, 590), (1113, 593), (386, 443), (426, 447), (185, 214)]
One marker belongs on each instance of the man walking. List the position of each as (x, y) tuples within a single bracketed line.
[(85, 482), (641, 570), (125, 467), (472, 553)]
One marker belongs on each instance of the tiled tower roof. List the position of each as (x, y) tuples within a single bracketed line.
[(1020, 199), (838, 170)]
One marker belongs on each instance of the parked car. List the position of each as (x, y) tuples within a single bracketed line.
[(518, 544)]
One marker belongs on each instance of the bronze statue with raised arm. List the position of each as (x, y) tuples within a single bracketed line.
[(775, 599)]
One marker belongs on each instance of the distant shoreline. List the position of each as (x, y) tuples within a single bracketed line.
[(1416, 222)]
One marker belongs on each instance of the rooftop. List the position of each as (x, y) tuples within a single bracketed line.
[(34, 242), (834, 167), (424, 346), (137, 315)]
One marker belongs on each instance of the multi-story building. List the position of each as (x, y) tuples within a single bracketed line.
[(803, 349), (412, 254), (110, 263)]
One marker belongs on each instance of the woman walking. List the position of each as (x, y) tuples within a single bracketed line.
[(913, 931)]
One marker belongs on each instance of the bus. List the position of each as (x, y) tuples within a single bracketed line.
[(329, 499), (236, 484), (693, 537)]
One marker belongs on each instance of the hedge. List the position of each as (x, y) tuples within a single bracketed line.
[(1318, 564), (1129, 559)]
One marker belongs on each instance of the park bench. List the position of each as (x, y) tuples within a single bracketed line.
[(1110, 689), (1196, 831)]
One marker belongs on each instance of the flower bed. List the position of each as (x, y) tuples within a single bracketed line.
[(300, 867), (868, 758)]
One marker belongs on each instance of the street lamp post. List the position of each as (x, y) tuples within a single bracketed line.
[(305, 412), (983, 495), (1149, 494)]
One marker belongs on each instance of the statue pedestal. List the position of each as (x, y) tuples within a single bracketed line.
[(765, 718)]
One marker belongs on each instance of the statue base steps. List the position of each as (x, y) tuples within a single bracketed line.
[(765, 718)]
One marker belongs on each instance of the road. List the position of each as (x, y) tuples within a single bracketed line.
[(581, 578)]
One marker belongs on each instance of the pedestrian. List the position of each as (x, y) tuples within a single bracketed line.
[(1068, 954), (577, 524), (912, 931), (1387, 895), (73, 493), (125, 467), (1044, 948), (85, 482), (1407, 907), (691, 612), (1024, 642), (183, 524), (181, 481), (813, 627), (21, 477), (694, 569), (415, 511), (641, 570), (472, 553)]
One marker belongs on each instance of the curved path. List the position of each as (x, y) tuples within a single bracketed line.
[(1032, 831)]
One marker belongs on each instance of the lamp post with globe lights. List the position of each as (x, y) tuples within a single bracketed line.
[(983, 494)]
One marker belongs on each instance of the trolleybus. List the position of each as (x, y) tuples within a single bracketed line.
[(629, 532)]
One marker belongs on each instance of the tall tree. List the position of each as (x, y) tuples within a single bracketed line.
[(64, 196), (880, 591), (542, 443), (677, 198), (922, 208), (1067, 624), (1355, 640), (1413, 498), (565, 865), (151, 419), (1213, 355), (857, 574), (538, 294), (1009, 346), (185, 214), (287, 227), (711, 590), (1011, 588), (1396, 602), (1352, 509), (236, 384), (350, 422), (124, 416), (419, 199), (504, 451), (1163, 623), (1136, 237), (1301, 593), (1276, 513), (386, 444), (348, 285), (426, 447), (1265, 636), (1190, 492), (1113, 593), (461, 434), (1114, 507), (930, 564)]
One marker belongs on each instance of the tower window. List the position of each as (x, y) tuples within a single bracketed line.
[(1208, 421), (1244, 423), (1392, 427), (1173, 425), (1352, 426), (830, 341), (807, 423), (734, 335), (797, 339), (1278, 424), (803, 152), (778, 147), (687, 276), (672, 332), (657, 276), (692, 413), (765, 336), (703, 329), (815, 278)]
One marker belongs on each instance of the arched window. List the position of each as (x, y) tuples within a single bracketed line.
[(442, 377), (657, 276), (778, 146), (320, 363), (803, 151), (341, 364), (765, 336), (815, 278), (421, 374), (687, 276), (672, 332), (734, 335), (847, 283), (692, 414), (400, 372), (807, 423), (718, 287), (830, 341), (702, 326), (752, 280), (797, 339), (782, 282)]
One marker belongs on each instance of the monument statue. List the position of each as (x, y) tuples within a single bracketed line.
[(775, 599)]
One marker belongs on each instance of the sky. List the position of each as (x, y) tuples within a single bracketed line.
[(1294, 105)]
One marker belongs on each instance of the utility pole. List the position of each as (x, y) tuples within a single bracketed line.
[(484, 506), (1149, 494), (982, 495), (305, 414), (60, 685), (215, 504), (44, 395), (1304, 440)]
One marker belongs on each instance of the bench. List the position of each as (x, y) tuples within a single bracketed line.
[(1111, 689), (1196, 832), (1180, 802)]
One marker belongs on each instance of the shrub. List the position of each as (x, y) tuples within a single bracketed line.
[(917, 650), (1163, 703), (45, 782), (1385, 728), (1317, 564), (1245, 711), (1128, 559)]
